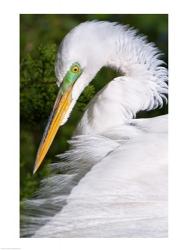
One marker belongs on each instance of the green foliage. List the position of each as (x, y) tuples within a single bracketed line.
[(86, 96), (28, 182), (37, 89)]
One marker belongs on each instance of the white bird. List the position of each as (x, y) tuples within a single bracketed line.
[(116, 169)]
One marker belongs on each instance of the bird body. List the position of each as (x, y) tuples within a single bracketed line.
[(125, 192), (116, 180)]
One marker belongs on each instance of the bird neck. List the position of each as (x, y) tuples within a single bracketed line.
[(142, 85), (145, 78), (139, 61), (116, 104)]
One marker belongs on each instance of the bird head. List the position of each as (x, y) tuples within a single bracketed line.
[(80, 56)]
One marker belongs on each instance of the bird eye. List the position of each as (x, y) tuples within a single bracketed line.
[(75, 69)]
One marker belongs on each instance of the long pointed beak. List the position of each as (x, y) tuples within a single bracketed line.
[(58, 113)]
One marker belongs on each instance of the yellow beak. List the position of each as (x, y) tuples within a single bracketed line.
[(58, 113)]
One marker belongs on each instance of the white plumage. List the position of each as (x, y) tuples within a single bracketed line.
[(116, 170)]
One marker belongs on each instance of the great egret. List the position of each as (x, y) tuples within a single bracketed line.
[(116, 170)]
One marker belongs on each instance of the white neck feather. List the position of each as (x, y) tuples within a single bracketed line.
[(142, 87), (139, 61)]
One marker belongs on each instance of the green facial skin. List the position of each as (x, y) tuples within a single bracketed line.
[(70, 78)]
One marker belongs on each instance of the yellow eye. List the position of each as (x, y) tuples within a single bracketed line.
[(75, 69)]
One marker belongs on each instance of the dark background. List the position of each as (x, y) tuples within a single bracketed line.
[(40, 36)]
